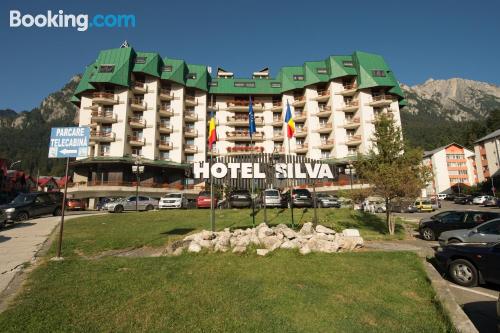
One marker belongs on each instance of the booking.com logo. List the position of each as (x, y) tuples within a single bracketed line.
[(80, 21)]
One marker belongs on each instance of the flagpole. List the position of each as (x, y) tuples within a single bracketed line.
[(288, 117), (252, 121), (290, 183), (212, 212)]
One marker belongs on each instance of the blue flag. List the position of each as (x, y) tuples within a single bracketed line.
[(251, 119)]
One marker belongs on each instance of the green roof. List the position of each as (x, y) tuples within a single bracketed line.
[(235, 86), (121, 59), (197, 77), (84, 84), (316, 71), (366, 64), (286, 76), (147, 63), (174, 70), (338, 66)]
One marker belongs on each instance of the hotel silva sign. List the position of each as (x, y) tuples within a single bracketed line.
[(247, 170)]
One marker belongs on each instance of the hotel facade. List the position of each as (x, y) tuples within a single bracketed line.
[(140, 104), (487, 151)]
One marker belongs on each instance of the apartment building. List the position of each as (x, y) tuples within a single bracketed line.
[(452, 166), (140, 104), (487, 150)]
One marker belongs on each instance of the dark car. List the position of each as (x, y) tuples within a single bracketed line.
[(463, 200), (239, 199), (27, 205), (325, 200), (430, 228), (450, 197), (203, 200), (469, 264), (3, 218), (403, 207), (301, 198)]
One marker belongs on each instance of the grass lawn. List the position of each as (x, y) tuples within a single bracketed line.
[(284, 292), (94, 234)]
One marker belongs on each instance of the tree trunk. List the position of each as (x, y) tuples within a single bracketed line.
[(388, 217)]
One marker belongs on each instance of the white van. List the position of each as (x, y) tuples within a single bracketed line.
[(173, 200), (272, 198)]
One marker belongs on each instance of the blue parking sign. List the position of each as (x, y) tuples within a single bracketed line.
[(69, 142)]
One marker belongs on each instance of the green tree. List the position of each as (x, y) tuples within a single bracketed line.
[(393, 170)]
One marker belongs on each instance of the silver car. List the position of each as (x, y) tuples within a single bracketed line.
[(120, 205), (484, 233), (272, 198)]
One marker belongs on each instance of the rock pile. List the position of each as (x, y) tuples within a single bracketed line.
[(266, 239)]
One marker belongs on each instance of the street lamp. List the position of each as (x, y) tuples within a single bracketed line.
[(137, 168)]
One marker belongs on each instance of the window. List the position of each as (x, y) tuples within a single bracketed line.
[(165, 155), (191, 76), (166, 68), (298, 77), (136, 151), (455, 156), (491, 228), (378, 73), (325, 154), (321, 70), (275, 85), (452, 218), (106, 68), (104, 149), (475, 217), (347, 63), (244, 84), (190, 158), (140, 60), (214, 84), (165, 138), (190, 142)]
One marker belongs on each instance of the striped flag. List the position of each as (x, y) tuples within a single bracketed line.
[(251, 119), (212, 133), (290, 124)]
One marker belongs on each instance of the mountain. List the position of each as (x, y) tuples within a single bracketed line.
[(438, 112)]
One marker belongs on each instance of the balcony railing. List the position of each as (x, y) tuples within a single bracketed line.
[(139, 86), (165, 111), (188, 131), (190, 100), (164, 145), (137, 122), (353, 139), (382, 98), (243, 120), (164, 127), (190, 116), (300, 116), (166, 94), (326, 144), (243, 105), (324, 92), (301, 146), (189, 148), (350, 86), (277, 105), (351, 122), (138, 104), (245, 149), (102, 136), (244, 134), (103, 117), (136, 140), (103, 97)]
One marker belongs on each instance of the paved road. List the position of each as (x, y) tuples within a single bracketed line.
[(19, 243)]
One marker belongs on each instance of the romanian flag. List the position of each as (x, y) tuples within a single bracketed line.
[(290, 124), (212, 134)]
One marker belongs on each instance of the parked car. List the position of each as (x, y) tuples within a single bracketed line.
[(450, 197), (240, 199), (486, 232), (203, 200), (490, 202), (28, 205), (173, 200), (463, 199), (432, 227), (271, 198), (325, 200), (498, 314), (423, 205), (442, 196), (76, 204), (436, 204), (301, 198), (102, 204), (403, 207), (3, 218), (480, 199), (129, 204), (471, 264)]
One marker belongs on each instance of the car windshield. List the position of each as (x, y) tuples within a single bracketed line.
[(174, 195), (440, 215), (23, 198), (204, 194), (272, 194), (426, 202), (301, 192)]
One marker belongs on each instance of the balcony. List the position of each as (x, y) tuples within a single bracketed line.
[(166, 94), (100, 136), (277, 106), (104, 98), (324, 128), (351, 106), (190, 132), (299, 101), (326, 144), (213, 152), (136, 141), (139, 87), (164, 145), (353, 140), (323, 95), (190, 149), (277, 121), (190, 116), (351, 123), (299, 117), (164, 128), (324, 111), (243, 150), (278, 136), (301, 148), (138, 104), (190, 100), (381, 100), (103, 117), (136, 122), (165, 111), (300, 132), (242, 106), (349, 89), (244, 136), (242, 121), (212, 108)]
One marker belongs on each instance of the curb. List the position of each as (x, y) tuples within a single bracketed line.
[(459, 319)]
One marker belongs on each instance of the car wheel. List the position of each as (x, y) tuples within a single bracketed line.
[(3, 224), (428, 234), (118, 209), (57, 212), (22, 216), (463, 273), (453, 241), (380, 210), (149, 207)]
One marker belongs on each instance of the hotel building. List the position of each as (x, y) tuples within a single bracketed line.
[(140, 104), (487, 151)]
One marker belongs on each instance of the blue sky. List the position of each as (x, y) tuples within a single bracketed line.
[(419, 39)]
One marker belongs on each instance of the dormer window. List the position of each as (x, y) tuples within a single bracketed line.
[(378, 73), (140, 60), (321, 70), (106, 68), (347, 63), (191, 76), (298, 77), (166, 68)]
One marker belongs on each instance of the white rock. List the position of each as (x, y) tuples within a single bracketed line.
[(307, 229), (351, 233), (324, 230), (239, 249), (305, 250), (271, 242), (194, 247), (289, 233), (220, 248), (350, 243), (262, 252), (205, 243), (264, 232), (289, 245)]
